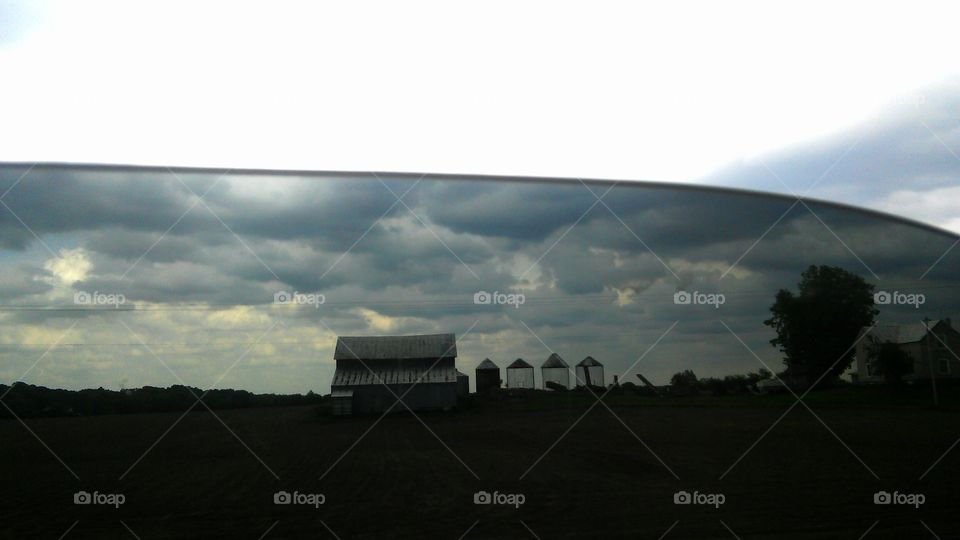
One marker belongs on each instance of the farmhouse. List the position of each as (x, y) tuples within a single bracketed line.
[(932, 345), (373, 372)]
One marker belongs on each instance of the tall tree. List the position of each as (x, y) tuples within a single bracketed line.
[(817, 328), (684, 379), (892, 361)]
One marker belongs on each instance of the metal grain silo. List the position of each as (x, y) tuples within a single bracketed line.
[(488, 376), (463, 383), (556, 371), (590, 373), (520, 375)]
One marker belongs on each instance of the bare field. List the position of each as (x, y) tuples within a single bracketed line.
[(407, 479)]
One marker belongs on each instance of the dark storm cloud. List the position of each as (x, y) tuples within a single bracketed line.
[(307, 209), (19, 280), (528, 211), (58, 200), (663, 218), (122, 217), (297, 230)]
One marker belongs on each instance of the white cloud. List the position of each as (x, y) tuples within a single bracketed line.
[(71, 266), (939, 206), (609, 90)]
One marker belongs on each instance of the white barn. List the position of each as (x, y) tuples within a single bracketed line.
[(372, 372)]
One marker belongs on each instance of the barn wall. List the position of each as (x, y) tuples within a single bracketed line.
[(375, 399), (342, 406), (411, 363)]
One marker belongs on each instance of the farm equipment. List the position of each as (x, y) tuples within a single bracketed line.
[(649, 385)]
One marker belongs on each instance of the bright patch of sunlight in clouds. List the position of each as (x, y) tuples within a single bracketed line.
[(377, 322), (71, 266)]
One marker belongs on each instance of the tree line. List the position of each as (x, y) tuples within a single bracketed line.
[(687, 382), (27, 400), (816, 328)]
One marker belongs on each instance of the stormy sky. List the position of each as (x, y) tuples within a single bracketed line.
[(853, 104), (198, 257)]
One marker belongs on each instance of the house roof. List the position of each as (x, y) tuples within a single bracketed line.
[(377, 376), (487, 364), (519, 364), (554, 361), (396, 347), (899, 333), (589, 362)]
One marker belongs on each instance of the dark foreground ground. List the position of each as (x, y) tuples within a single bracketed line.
[(407, 479)]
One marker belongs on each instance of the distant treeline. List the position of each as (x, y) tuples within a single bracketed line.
[(27, 400), (686, 382)]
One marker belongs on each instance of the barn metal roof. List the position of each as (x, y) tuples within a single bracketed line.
[(589, 362), (396, 347), (554, 361), (376, 375), (519, 364), (487, 364)]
